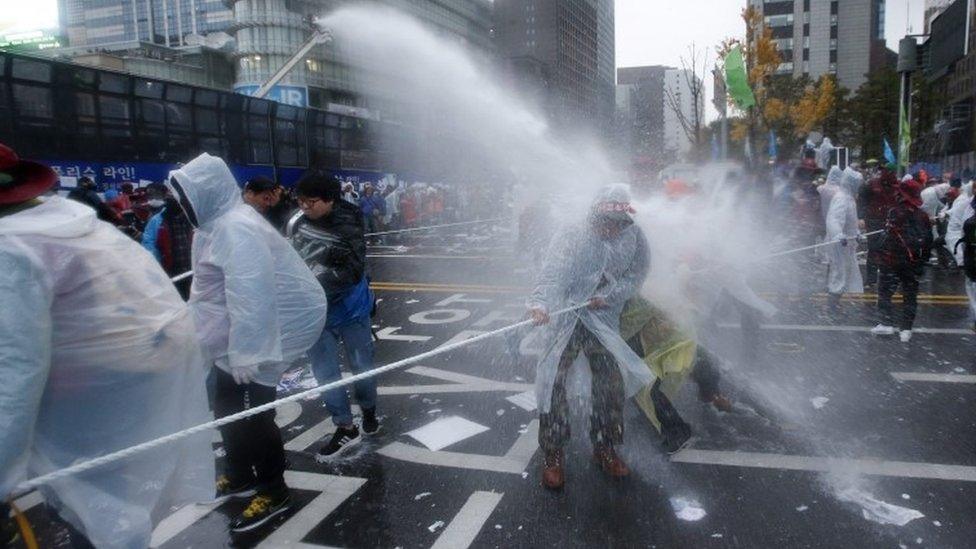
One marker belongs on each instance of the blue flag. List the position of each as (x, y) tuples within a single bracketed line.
[(888, 153), (773, 149)]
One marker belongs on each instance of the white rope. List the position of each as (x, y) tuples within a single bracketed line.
[(793, 251), (81, 467), (398, 231), (188, 274)]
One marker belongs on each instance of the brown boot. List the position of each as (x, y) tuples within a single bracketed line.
[(552, 471), (610, 462)]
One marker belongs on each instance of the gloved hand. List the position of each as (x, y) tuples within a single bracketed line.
[(244, 374)]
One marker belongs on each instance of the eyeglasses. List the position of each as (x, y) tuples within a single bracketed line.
[(308, 202)]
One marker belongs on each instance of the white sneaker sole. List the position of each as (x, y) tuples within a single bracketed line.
[(321, 458)]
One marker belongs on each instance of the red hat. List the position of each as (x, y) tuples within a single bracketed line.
[(911, 192), (22, 180)]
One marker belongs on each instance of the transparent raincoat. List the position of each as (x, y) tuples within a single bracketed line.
[(237, 257), (962, 209), (844, 276), (577, 262), (97, 353)]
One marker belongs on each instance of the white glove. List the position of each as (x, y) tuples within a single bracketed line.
[(244, 374)]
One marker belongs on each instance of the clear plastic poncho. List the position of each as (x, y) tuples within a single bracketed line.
[(97, 353), (844, 275), (255, 302), (962, 209), (576, 264)]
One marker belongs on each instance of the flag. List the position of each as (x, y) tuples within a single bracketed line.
[(737, 81), (904, 139), (773, 149), (888, 153)]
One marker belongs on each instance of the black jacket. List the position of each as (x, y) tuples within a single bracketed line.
[(907, 240), (341, 263)]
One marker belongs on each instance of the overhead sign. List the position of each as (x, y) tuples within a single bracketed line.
[(30, 25), (296, 96)]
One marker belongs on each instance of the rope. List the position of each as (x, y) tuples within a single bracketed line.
[(84, 466), (188, 274), (796, 250), (436, 227)]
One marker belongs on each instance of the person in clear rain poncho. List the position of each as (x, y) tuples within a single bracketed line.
[(842, 226), (97, 353), (257, 308), (603, 263)]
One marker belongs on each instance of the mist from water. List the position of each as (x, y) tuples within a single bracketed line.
[(709, 239)]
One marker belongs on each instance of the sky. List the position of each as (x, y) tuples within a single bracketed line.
[(658, 32)]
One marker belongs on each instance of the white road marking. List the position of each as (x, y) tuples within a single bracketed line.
[(334, 490), (514, 461), (440, 316), (935, 378), (311, 436), (287, 414), (876, 467), (462, 531), (821, 328), (390, 334), (179, 521), (459, 298)]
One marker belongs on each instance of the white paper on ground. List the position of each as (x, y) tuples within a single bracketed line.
[(878, 511), (687, 509), (525, 401), (819, 402), (446, 431)]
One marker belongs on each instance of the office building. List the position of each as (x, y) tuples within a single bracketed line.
[(648, 124), (816, 37), (562, 53)]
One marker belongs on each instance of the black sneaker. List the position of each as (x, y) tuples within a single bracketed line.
[(370, 425), (675, 438), (226, 490), (261, 509), (342, 440)]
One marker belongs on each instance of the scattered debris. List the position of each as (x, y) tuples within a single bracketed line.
[(687, 509), (433, 527)]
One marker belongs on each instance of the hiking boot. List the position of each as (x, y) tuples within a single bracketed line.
[(673, 439), (610, 462), (262, 508), (342, 440), (226, 490), (370, 425), (883, 330), (553, 477), (905, 336)]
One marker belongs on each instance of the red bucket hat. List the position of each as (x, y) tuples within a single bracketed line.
[(911, 192), (22, 180)]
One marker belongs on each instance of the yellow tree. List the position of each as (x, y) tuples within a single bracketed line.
[(816, 104)]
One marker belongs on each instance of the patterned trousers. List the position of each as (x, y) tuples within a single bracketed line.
[(606, 419)]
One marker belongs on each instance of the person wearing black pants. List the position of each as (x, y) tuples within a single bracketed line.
[(905, 249), (255, 450)]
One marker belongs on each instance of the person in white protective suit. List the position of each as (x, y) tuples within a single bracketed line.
[(98, 353), (933, 199), (257, 308), (844, 275), (602, 262), (962, 210)]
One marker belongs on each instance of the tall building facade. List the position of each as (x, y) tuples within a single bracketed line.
[(163, 22), (563, 52), (201, 41), (654, 104), (816, 37), (934, 8)]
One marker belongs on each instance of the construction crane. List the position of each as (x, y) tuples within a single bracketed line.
[(321, 36)]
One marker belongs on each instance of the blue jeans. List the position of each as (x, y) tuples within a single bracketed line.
[(358, 340)]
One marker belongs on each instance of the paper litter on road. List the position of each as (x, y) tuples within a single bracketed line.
[(445, 432), (435, 526), (802, 508), (819, 402), (525, 401), (687, 509), (878, 511), (421, 496)]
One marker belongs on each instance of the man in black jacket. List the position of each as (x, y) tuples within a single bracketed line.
[(330, 238)]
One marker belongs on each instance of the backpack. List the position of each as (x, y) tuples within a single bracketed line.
[(968, 242)]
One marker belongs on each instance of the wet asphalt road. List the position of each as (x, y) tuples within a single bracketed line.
[(834, 434)]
